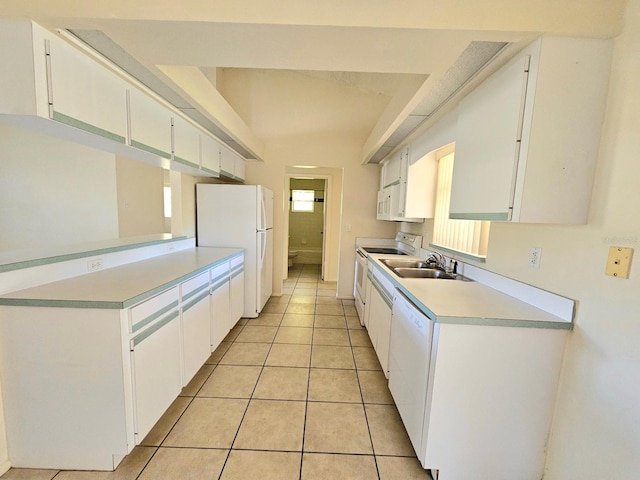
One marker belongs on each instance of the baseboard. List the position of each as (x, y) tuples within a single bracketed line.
[(4, 467)]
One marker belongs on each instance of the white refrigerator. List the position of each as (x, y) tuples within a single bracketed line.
[(240, 216)]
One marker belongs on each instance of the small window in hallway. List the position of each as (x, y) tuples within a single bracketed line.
[(302, 201)]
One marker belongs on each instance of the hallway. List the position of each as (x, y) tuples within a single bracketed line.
[(296, 393)]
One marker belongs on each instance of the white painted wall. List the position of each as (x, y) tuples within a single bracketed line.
[(321, 124), (54, 192), (140, 199), (596, 429)]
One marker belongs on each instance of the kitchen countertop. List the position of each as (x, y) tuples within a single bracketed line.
[(469, 302), (121, 287)]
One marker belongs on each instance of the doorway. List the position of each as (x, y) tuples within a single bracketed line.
[(307, 223)]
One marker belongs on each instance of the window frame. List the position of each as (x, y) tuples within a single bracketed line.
[(462, 238)]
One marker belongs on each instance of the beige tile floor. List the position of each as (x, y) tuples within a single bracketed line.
[(296, 393)]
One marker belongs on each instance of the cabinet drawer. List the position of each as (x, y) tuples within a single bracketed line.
[(194, 286), (146, 312), (236, 262), (219, 274)]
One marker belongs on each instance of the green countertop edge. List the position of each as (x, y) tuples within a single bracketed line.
[(105, 305), (485, 322), (8, 267)]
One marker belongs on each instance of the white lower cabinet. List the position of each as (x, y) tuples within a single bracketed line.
[(379, 304), (477, 401), (220, 305), (237, 290), (157, 372), (196, 331), (84, 384)]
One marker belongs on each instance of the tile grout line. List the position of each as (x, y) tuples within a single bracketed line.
[(364, 409), (244, 414), (306, 403)]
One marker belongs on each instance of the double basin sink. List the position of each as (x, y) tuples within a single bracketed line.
[(416, 269)]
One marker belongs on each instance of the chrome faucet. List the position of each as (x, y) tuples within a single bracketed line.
[(439, 260)]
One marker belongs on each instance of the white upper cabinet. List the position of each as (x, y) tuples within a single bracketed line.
[(47, 77), (23, 82), (150, 124), (408, 188), (186, 143), (391, 171), (231, 164), (239, 168), (527, 138), (210, 155), (85, 94)]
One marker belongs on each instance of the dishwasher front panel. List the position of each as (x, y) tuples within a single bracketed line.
[(409, 362)]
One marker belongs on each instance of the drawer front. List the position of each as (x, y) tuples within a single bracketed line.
[(194, 286), (146, 312), (219, 274), (237, 261)]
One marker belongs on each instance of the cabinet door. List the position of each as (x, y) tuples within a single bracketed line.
[(220, 312), (196, 334), (392, 170), (237, 298), (85, 94), (186, 143), (150, 124), (384, 337), (157, 371), (367, 307), (373, 318), (402, 190), (220, 304), (227, 162), (210, 155), (380, 327), (487, 146), (239, 168)]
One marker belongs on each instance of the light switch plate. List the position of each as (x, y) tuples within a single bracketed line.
[(619, 262)]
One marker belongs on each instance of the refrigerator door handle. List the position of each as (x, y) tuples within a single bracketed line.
[(263, 215), (263, 245)]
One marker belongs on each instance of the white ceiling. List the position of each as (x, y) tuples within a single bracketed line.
[(403, 49)]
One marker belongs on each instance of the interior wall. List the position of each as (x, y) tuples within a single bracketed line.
[(595, 431), (140, 198), (320, 124), (306, 228), (356, 205), (54, 192)]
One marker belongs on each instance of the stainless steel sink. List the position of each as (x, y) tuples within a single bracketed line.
[(394, 263), (422, 273)]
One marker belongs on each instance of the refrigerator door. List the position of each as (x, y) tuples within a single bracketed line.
[(265, 267), (265, 208), (226, 217)]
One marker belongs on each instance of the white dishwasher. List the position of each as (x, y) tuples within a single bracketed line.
[(409, 364)]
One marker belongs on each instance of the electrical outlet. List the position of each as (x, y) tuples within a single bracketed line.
[(534, 257), (94, 265), (347, 227)]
